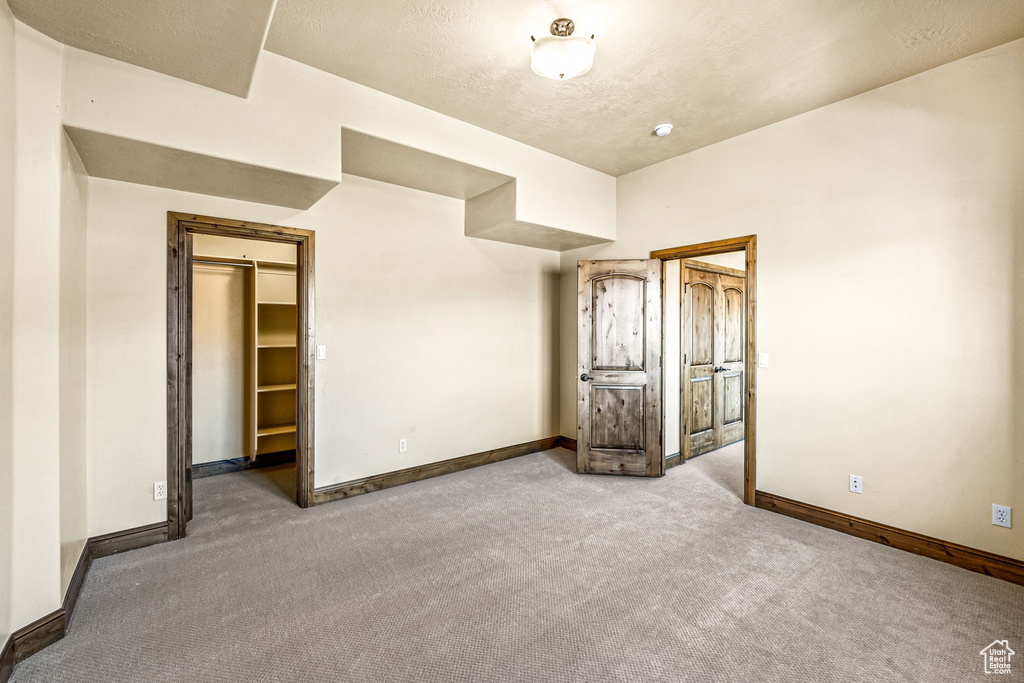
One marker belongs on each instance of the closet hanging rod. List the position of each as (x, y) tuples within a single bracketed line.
[(221, 263)]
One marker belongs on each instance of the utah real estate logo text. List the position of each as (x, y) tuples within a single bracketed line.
[(997, 657)]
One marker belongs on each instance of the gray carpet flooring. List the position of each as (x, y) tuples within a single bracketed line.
[(525, 571)]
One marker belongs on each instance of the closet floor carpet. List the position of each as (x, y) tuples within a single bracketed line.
[(525, 571)]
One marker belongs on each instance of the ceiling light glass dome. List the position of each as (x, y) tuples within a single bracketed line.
[(562, 55)]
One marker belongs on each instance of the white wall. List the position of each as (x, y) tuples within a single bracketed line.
[(7, 194), (432, 336), (35, 325), (889, 292), (73, 490)]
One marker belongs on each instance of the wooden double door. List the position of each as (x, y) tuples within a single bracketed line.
[(712, 336), (619, 409)]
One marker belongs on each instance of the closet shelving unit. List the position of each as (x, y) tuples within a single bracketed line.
[(275, 340)]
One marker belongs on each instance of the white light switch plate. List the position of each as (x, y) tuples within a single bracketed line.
[(321, 352), (762, 360)]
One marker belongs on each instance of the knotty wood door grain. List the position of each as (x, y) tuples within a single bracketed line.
[(729, 417), (713, 359), (619, 373)]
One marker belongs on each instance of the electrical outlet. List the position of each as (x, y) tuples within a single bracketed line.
[(856, 484), (1001, 515), (403, 445), (160, 490)]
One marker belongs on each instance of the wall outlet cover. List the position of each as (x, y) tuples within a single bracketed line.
[(1001, 515), (856, 484), (160, 490)]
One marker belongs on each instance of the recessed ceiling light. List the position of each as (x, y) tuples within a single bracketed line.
[(562, 55), (663, 129)]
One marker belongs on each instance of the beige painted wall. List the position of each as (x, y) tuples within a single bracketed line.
[(232, 247), (292, 121), (35, 325), (431, 336), (7, 195), (672, 357), (73, 489), (220, 347), (889, 257), (734, 259)]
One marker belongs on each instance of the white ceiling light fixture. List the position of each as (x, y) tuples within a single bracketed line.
[(663, 129), (562, 55)]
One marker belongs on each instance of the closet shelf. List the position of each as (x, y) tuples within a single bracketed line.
[(275, 387), (271, 430), (275, 346), (276, 303)]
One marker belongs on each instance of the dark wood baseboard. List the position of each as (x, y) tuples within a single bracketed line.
[(567, 443), (210, 469), (29, 640), (998, 566), (129, 539), (382, 481), (7, 660), (75, 587), (37, 635), (673, 460)]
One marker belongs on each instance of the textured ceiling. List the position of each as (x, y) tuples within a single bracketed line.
[(211, 42), (713, 68)]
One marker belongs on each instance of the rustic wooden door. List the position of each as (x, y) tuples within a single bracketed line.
[(619, 369), (713, 340)]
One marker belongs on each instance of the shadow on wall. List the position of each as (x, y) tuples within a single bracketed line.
[(1018, 344), (550, 293)]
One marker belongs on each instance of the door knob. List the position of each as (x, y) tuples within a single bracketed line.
[(585, 377)]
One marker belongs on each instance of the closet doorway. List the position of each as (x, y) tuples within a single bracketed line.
[(240, 353)]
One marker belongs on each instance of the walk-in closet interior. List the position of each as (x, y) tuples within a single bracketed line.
[(244, 334)]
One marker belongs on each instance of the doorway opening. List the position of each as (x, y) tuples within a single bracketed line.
[(709, 351), (240, 354)]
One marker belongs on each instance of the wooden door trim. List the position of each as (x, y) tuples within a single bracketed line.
[(748, 244), (180, 228)]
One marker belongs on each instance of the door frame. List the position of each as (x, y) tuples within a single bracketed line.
[(180, 229), (748, 244)]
